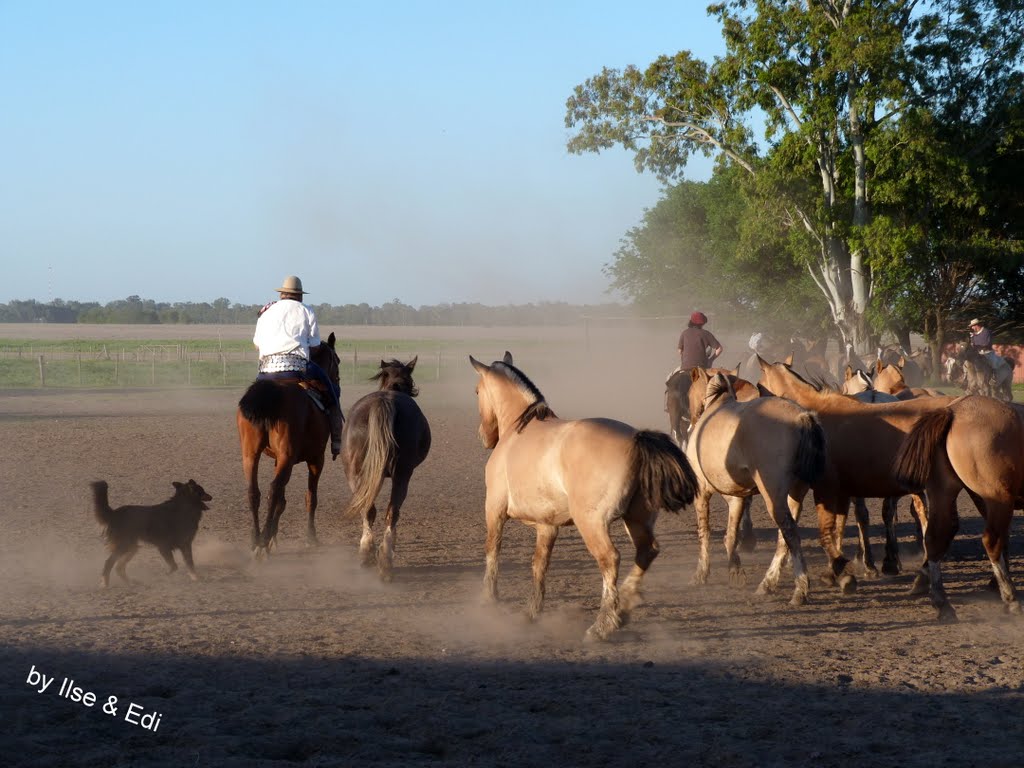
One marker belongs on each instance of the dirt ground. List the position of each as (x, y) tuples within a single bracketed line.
[(307, 659)]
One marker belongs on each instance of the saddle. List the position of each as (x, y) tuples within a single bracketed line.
[(314, 389)]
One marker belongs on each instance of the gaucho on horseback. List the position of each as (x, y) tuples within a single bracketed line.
[(285, 331)]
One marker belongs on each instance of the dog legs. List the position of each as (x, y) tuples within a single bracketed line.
[(186, 554), (121, 556), (168, 555)]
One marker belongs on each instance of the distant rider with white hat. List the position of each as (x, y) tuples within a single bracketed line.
[(285, 332)]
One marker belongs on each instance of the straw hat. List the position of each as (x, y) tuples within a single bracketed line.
[(974, 322), (291, 284)]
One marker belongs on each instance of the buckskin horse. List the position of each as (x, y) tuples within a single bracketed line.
[(282, 419), (975, 443), (385, 435), (863, 440), (769, 446), (550, 472)]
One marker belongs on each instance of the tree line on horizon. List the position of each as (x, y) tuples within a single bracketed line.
[(222, 311)]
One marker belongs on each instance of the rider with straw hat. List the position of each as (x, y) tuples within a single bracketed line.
[(285, 332)]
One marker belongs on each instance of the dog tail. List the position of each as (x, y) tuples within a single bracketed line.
[(101, 504)]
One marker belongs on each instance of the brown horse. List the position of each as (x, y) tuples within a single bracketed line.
[(913, 373), (386, 435), (892, 388), (862, 439), (977, 444), (549, 472), (677, 388), (769, 446), (892, 379), (282, 420)]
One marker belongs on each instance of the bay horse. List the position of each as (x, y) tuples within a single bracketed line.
[(385, 435), (974, 443), (677, 387), (863, 440), (769, 446), (550, 472), (886, 386), (281, 419)]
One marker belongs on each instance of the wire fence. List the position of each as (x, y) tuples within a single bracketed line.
[(176, 366)]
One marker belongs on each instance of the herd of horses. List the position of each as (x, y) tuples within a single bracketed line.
[(790, 431)]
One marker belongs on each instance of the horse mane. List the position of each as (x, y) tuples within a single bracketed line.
[(718, 385), (538, 407)]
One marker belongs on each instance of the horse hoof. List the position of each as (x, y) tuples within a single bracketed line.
[(737, 577), (920, 586), (798, 599), (765, 588), (260, 553), (748, 544), (870, 572), (946, 614), (1014, 608), (828, 579), (312, 541), (891, 567), (847, 584), (387, 576)]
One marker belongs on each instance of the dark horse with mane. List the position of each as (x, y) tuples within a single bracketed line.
[(282, 419), (386, 435)]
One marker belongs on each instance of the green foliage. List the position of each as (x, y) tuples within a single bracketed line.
[(890, 144)]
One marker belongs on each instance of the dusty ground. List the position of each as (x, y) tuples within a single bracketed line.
[(309, 660)]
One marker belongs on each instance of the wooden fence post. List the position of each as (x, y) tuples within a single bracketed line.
[(152, 372), (437, 376), (189, 368), (42, 372), (79, 369), (355, 363), (224, 363)]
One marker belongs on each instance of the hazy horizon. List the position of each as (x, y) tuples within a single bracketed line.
[(403, 151)]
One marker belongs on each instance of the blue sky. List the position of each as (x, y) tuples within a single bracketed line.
[(189, 151)]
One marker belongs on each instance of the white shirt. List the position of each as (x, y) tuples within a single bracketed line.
[(287, 327)]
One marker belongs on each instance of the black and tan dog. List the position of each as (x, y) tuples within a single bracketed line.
[(167, 526)]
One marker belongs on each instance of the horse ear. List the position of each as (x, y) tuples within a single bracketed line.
[(902, 361), (789, 359), (761, 362), (330, 340), (383, 365), (177, 486), (478, 366), (736, 370), (694, 374), (848, 372), (878, 365), (507, 359), (412, 363)]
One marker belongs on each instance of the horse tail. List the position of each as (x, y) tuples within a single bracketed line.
[(809, 460), (666, 479), (101, 504), (379, 460), (262, 405), (913, 462)]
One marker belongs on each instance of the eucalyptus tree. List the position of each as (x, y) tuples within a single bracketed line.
[(805, 100)]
